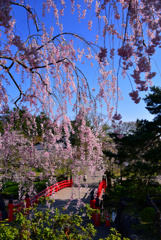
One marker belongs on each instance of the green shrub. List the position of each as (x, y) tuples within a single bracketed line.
[(47, 225), (10, 188), (40, 186), (114, 235), (7, 232), (148, 215), (118, 191)]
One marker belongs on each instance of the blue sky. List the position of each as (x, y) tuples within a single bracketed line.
[(127, 108)]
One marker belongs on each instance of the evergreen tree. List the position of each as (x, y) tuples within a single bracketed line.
[(139, 153)]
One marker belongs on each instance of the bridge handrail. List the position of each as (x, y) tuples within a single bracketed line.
[(12, 209)]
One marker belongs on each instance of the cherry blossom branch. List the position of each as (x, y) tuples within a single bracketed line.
[(14, 60), (33, 36), (85, 80), (157, 66), (25, 66), (49, 64), (72, 34), (39, 67), (127, 20), (31, 70), (50, 93), (29, 10), (11, 76)]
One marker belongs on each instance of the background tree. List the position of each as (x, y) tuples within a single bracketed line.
[(153, 101), (127, 128), (140, 151)]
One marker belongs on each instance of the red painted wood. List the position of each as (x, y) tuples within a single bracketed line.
[(30, 201)]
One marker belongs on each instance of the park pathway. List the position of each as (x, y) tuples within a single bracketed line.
[(63, 198)]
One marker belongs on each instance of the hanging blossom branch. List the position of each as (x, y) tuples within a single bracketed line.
[(11, 76), (29, 10), (71, 34), (20, 91), (32, 70), (28, 57), (134, 46)]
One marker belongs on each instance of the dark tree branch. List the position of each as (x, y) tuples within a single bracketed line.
[(33, 69), (29, 10), (66, 33), (11, 76)]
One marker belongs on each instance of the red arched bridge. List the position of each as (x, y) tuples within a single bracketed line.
[(14, 208)]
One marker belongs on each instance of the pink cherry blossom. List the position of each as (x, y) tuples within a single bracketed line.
[(90, 25), (135, 96), (125, 52), (44, 64)]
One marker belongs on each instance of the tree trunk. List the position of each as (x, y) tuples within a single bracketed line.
[(109, 182)]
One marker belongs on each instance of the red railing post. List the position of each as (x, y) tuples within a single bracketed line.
[(97, 215), (97, 218), (10, 210), (27, 199), (107, 220), (92, 205), (36, 201)]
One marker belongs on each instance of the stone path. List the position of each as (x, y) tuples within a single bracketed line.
[(63, 197)]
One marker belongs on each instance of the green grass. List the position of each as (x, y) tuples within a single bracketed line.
[(10, 188)]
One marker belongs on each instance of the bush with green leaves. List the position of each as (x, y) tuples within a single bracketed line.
[(51, 224), (115, 235), (134, 188), (10, 188), (148, 215)]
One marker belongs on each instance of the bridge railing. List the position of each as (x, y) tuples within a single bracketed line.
[(95, 200), (13, 209), (102, 185)]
